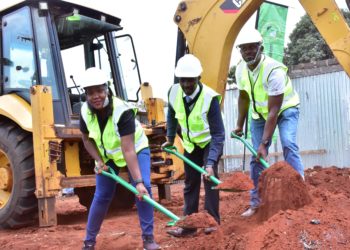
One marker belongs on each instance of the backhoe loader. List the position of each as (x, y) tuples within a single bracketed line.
[(44, 47), (205, 24)]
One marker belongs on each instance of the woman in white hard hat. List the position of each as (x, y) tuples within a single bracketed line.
[(114, 138), (263, 82), (196, 108)]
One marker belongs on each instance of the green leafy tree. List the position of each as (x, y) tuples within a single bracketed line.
[(306, 43)]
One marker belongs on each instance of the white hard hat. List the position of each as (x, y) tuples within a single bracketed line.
[(253, 37), (188, 66), (93, 77)]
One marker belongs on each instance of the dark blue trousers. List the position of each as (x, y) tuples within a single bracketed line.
[(105, 188)]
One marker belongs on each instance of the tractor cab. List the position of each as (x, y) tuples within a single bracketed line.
[(52, 42)]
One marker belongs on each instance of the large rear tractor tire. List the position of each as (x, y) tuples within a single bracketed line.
[(18, 203)]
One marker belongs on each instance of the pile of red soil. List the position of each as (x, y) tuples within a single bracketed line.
[(237, 181), (334, 179), (197, 220), (290, 229), (281, 188)]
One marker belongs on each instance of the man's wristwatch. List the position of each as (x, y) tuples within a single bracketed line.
[(137, 181), (265, 142)]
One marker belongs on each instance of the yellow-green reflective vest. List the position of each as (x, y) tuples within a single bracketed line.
[(195, 127), (290, 98), (109, 144)]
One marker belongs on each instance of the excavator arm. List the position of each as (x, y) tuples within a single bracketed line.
[(211, 27), (332, 25)]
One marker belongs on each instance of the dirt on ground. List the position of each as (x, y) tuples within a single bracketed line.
[(237, 181), (321, 222), (281, 188), (197, 220)]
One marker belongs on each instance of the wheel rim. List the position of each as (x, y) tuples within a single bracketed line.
[(6, 179)]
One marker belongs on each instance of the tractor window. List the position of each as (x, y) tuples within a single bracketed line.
[(129, 66), (74, 65), (76, 59), (102, 60), (47, 72), (18, 52), (81, 39)]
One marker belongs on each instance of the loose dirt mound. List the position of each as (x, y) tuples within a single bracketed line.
[(197, 220), (281, 188), (289, 229), (237, 181), (336, 180)]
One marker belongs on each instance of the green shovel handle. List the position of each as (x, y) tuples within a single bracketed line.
[(173, 150), (146, 198), (251, 149)]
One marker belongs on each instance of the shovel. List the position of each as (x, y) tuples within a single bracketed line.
[(146, 198), (216, 181), (251, 149)]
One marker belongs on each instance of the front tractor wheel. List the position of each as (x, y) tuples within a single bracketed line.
[(18, 204)]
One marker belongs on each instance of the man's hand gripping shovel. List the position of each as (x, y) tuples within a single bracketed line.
[(251, 149)]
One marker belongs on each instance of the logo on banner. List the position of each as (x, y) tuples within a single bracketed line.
[(271, 31)]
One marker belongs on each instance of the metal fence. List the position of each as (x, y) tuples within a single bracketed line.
[(324, 122)]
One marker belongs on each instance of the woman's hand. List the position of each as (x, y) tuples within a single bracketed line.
[(99, 167), (142, 190), (167, 144)]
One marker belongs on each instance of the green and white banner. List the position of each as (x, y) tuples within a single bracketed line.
[(271, 22)]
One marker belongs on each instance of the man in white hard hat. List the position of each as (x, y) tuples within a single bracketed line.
[(263, 82), (196, 108), (115, 139)]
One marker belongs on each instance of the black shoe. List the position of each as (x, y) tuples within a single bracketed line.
[(88, 246), (182, 232), (149, 243)]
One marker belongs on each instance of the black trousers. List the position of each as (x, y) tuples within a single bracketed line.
[(193, 183)]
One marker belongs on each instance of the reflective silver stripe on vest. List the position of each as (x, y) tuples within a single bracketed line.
[(113, 151), (117, 113), (117, 150), (173, 93), (83, 112), (205, 139), (195, 134), (285, 100)]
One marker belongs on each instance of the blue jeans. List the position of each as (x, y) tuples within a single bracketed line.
[(104, 193), (287, 124)]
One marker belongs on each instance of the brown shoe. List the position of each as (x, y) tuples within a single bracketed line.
[(209, 230), (182, 232)]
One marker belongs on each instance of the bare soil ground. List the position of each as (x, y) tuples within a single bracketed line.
[(324, 223)]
